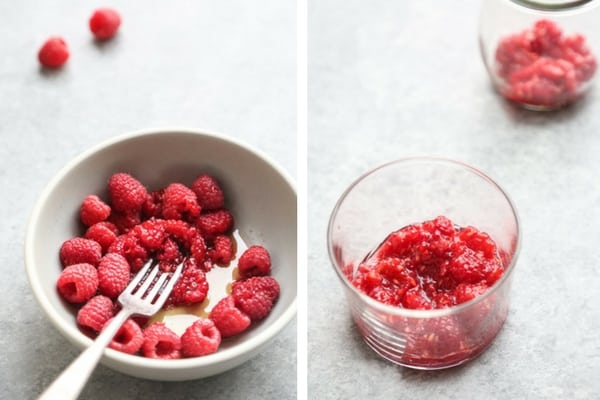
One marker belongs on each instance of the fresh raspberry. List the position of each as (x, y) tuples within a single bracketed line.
[(228, 319), (104, 23), (128, 339), (209, 193), (192, 287), (54, 52), (78, 283), (93, 210), (102, 232), (129, 247), (182, 231), (169, 255), (95, 313), (255, 261), (113, 275), (255, 296), (152, 207), (151, 234), (126, 193), (200, 339), (222, 250), (125, 221), (215, 223), (198, 247), (161, 342), (179, 202), (80, 250)]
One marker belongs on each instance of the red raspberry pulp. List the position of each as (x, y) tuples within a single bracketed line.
[(543, 67)]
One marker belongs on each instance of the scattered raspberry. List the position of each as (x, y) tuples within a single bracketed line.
[(179, 202), (200, 339), (126, 193), (161, 342), (215, 223), (104, 23), (113, 275), (228, 319), (209, 193), (78, 283), (129, 247), (104, 233), (255, 261), (54, 52), (192, 287), (93, 210), (222, 251), (95, 313), (255, 296), (128, 339), (80, 250)]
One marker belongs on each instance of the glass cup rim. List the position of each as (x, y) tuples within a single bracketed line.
[(412, 313)]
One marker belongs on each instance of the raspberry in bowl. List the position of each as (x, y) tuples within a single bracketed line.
[(425, 249), (158, 194)]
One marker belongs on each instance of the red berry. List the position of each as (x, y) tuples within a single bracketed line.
[(113, 274), (161, 342), (129, 247), (255, 296), (209, 193), (169, 255), (126, 193), (78, 283), (104, 23), (179, 202), (53, 53), (192, 287), (222, 251), (215, 223), (151, 234), (104, 233), (80, 250), (228, 319), (255, 261), (93, 210), (198, 247), (95, 313), (180, 230), (152, 207), (200, 339), (125, 221), (128, 339)]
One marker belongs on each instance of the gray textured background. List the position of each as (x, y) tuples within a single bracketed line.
[(216, 66), (390, 79)]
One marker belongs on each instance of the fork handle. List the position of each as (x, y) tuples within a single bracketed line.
[(71, 381)]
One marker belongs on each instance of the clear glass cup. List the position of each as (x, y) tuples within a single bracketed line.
[(408, 191), (540, 54)]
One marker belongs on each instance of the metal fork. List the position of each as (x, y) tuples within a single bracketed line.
[(141, 297)]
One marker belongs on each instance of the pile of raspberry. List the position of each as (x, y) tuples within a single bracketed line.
[(174, 224), (543, 67)]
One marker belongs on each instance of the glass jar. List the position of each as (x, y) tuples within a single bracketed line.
[(408, 191), (540, 54)]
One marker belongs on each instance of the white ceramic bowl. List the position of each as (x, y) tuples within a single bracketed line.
[(260, 195)]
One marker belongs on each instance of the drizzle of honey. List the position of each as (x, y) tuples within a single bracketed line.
[(220, 278)]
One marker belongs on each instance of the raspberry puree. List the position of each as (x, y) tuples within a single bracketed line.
[(430, 265), (542, 67)]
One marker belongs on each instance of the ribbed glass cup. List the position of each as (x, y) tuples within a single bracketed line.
[(408, 191)]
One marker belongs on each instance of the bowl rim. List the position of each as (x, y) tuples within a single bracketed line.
[(415, 313), (73, 334)]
